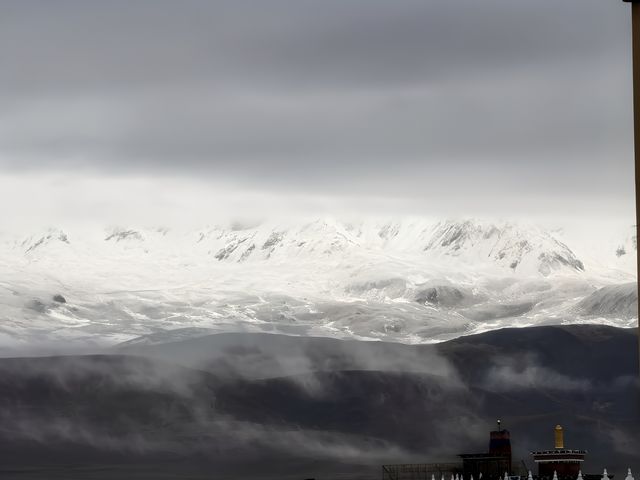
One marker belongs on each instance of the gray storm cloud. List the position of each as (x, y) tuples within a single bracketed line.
[(367, 97)]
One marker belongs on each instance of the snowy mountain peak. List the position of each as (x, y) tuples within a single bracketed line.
[(513, 247), (38, 242), (516, 247), (120, 234), (510, 247), (409, 279)]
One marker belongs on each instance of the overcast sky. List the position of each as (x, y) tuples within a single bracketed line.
[(506, 107)]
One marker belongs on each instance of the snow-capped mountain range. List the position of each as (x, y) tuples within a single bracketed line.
[(409, 280)]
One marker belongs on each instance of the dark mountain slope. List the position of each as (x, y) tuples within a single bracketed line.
[(126, 417), (597, 352)]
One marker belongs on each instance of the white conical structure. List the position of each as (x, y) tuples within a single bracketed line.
[(580, 475), (605, 475), (472, 476), (530, 477), (555, 475), (480, 476), (506, 476), (629, 476), (433, 477)]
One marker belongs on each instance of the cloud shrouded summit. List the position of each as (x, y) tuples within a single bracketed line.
[(406, 98)]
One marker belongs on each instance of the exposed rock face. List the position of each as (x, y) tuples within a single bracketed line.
[(59, 298), (50, 237), (515, 248), (273, 239), (518, 249), (550, 262), (508, 245), (444, 296), (247, 252), (120, 235), (225, 253)]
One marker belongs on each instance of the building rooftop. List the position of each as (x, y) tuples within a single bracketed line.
[(485, 456), (559, 450)]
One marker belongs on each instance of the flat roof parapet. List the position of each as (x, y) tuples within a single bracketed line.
[(559, 450)]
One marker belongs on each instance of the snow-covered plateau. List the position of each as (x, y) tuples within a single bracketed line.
[(410, 280)]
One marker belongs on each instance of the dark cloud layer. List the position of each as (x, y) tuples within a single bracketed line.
[(324, 95)]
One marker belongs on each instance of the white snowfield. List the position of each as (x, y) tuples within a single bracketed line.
[(410, 280)]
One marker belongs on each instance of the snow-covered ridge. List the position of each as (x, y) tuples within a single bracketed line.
[(408, 280), (515, 248), (507, 245), (33, 242)]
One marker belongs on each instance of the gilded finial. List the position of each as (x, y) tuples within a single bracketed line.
[(559, 433)]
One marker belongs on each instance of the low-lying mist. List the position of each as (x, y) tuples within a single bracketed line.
[(272, 405)]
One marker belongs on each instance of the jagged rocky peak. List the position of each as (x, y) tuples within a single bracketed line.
[(513, 248), (552, 261), (275, 238), (447, 234), (517, 247), (51, 236), (389, 230), (120, 234), (231, 246), (318, 238)]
